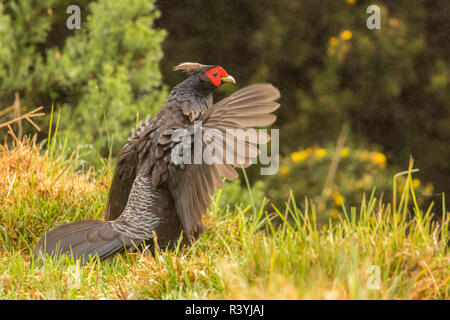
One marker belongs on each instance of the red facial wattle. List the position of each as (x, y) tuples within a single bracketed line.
[(216, 74)]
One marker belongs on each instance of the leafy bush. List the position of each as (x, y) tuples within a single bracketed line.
[(19, 48), (102, 75)]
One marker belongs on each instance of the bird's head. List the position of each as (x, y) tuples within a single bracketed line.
[(211, 76)]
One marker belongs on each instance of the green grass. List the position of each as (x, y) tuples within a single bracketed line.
[(250, 252)]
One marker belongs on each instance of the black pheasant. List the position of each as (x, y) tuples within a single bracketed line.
[(153, 192)]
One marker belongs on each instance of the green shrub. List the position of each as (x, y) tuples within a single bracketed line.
[(101, 75)]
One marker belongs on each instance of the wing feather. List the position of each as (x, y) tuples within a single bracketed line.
[(193, 185)]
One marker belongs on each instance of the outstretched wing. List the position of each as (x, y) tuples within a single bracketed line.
[(192, 185)]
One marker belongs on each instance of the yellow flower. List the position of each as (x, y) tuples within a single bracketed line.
[(321, 152), (344, 152), (334, 213), (351, 1), (333, 41), (284, 170), (346, 35), (338, 199), (299, 156), (379, 159), (416, 183), (309, 150)]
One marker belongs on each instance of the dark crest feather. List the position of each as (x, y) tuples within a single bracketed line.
[(189, 67)]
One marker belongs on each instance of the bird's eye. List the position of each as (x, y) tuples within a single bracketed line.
[(214, 74)]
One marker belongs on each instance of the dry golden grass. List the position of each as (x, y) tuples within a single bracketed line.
[(39, 191), (25, 169)]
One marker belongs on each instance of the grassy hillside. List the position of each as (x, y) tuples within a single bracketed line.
[(246, 252)]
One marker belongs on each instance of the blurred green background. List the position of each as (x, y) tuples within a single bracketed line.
[(366, 98)]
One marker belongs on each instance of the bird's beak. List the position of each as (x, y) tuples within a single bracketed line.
[(228, 79)]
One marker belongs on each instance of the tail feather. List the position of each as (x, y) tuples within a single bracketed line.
[(84, 240)]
